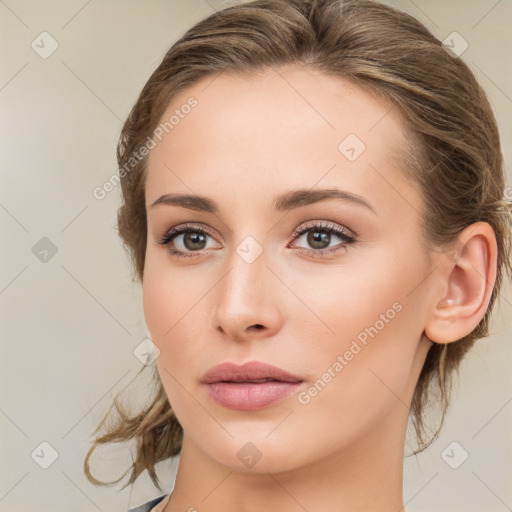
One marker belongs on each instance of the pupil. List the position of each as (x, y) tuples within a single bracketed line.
[(194, 238), (317, 238)]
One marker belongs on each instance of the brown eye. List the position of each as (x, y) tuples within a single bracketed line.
[(318, 237), (184, 241), (194, 241)]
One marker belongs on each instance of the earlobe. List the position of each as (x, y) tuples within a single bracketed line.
[(469, 275)]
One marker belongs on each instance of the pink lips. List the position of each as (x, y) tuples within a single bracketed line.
[(252, 386)]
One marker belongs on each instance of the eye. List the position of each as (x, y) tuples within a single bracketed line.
[(319, 235), (188, 238)]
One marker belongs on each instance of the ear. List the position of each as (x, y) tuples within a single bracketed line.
[(468, 273)]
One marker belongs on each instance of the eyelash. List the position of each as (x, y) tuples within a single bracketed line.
[(347, 237)]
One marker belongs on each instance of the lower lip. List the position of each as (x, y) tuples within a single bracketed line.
[(245, 396)]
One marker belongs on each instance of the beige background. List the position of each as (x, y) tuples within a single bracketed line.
[(70, 324)]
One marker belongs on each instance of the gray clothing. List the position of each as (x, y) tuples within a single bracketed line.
[(146, 507)]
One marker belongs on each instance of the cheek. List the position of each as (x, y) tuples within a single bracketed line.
[(158, 312), (165, 310), (166, 296), (173, 311), (358, 383), (375, 328), (365, 304)]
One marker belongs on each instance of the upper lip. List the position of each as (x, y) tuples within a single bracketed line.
[(252, 371)]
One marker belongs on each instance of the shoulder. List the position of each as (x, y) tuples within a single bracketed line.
[(146, 507)]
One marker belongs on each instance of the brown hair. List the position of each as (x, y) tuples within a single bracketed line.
[(454, 156)]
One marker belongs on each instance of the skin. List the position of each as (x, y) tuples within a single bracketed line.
[(247, 141)]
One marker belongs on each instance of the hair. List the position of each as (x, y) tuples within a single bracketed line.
[(453, 156)]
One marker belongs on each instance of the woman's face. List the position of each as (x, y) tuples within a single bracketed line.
[(332, 289)]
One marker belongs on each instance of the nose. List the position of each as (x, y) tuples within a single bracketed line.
[(246, 305)]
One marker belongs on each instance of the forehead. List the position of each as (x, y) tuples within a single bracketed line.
[(285, 128)]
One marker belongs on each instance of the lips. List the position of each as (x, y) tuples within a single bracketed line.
[(252, 386), (254, 372)]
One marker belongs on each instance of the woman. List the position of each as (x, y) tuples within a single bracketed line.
[(313, 201)]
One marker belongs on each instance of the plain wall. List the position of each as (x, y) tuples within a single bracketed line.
[(71, 320)]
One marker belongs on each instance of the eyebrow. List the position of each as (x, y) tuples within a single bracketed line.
[(287, 201)]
